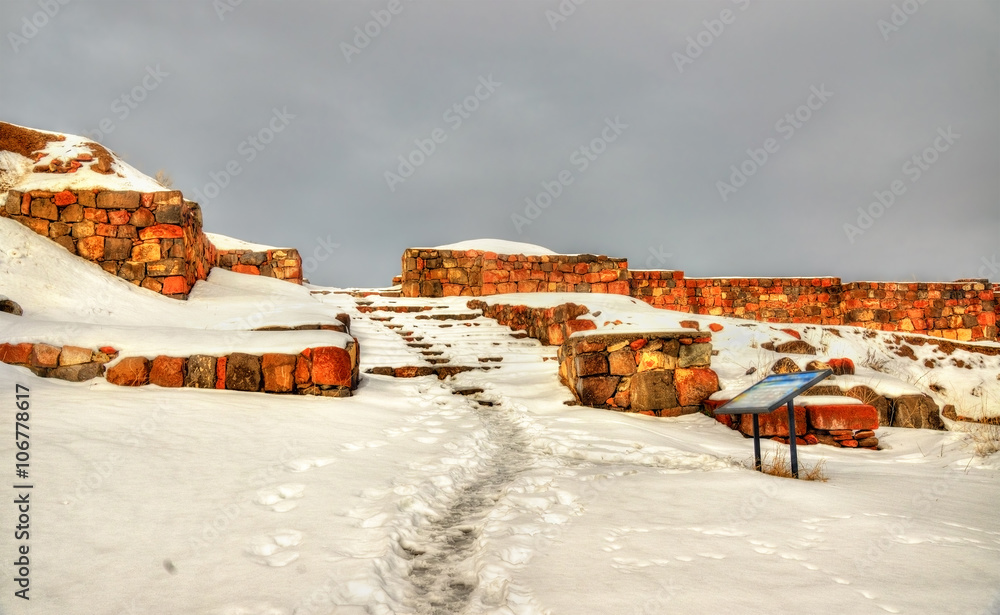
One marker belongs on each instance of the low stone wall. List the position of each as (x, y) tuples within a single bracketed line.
[(659, 373), (283, 264), (551, 326), (443, 273), (326, 370), (72, 363), (840, 425), (152, 239)]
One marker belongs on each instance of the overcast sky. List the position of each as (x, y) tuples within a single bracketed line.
[(637, 116)]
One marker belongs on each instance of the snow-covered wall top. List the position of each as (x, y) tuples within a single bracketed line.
[(38, 160)]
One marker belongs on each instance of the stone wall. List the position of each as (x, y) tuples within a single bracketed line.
[(551, 326), (284, 264), (964, 310), (444, 273), (327, 370), (153, 239), (663, 373)]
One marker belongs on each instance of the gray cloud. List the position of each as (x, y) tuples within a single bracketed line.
[(654, 187)]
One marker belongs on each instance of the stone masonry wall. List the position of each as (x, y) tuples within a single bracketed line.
[(444, 273), (658, 373), (964, 310), (284, 264), (153, 239), (326, 370)]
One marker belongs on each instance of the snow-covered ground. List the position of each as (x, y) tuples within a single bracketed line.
[(427, 496)]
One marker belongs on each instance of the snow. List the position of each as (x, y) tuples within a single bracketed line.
[(229, 243), (407, 495), (125, 176), (500, 246)]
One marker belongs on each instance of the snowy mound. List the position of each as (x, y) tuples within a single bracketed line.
[(224, 242), (39, 160), (500, 246)]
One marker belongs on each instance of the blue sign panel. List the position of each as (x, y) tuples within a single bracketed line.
[(772, 392)]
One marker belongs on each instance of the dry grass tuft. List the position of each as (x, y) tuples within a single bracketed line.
[(776, 463), (986, 436)]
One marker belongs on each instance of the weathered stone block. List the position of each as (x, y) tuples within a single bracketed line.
[(165, 267), (167, 371), (67, 242), (146, 252), (279, 372), (695, 385), (175, 285), (916, 411), (142, 218), (331, 365), (775, 423), (43, 355), (16, 354), (77, 373), (591, 364), (130, 372), (243, 372), (654, 359), (59, 229), (596, 390), (84, 229), (653, 390), (161, 231), (91, 248), (621, 362), (71, 213), (200, 372), (74, 355), (695, 355), (44, 208), (117, 249), (253, 258), (168, 214), (303, 370), (132, 271), (118, 199), (852, 416)]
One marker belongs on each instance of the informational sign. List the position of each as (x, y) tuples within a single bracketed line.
[(767, 396), (772, 392)]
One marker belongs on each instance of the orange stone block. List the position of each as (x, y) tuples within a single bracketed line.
[(15, 354), (167, 371), (850, 416), (175, 285), (331, 366), (64, 198), (161, 231)]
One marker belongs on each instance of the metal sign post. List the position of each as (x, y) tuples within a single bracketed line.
[(768, 395)]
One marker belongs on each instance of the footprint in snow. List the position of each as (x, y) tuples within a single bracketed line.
[(273, 549), (301, 465), (280, 498)]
